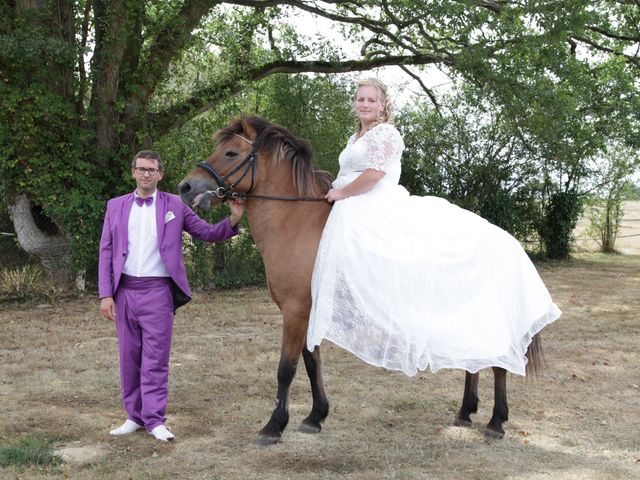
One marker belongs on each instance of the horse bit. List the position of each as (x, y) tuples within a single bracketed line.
[(225, 191)]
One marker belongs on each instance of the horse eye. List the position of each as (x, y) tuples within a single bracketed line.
[(230, 154)]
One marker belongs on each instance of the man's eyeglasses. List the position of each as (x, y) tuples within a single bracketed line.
[(151, 171)]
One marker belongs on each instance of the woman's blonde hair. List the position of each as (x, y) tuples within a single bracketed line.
[(386, 116)]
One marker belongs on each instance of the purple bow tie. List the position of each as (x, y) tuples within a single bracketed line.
[(144, 201)]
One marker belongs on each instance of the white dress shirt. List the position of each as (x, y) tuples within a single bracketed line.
[(143, 255)]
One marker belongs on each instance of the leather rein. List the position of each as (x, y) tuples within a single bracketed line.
[(225, 190)]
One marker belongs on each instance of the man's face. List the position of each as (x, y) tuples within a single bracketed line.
[(147, 176)]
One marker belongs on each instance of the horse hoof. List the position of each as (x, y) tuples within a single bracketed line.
[(493, 434), (267, 441), (308, 428), (461, 422)]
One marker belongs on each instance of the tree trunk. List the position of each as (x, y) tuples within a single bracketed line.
[(53, 251), (111, 43)]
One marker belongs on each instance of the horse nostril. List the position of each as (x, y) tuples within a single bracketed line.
[(184, 187)]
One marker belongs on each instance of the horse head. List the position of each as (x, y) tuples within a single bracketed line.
[(252, 152), (229, 168)]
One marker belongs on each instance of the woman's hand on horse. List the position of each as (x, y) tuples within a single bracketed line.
[(335, 194), (362, 184), (237, 210)]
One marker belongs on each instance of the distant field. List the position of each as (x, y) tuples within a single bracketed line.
[(628, 241)]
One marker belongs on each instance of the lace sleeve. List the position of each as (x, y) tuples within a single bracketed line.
[(384, 146)]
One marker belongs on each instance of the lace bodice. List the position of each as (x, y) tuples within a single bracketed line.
[(380, 148)]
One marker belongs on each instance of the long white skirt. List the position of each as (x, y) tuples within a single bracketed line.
[(410, 283)]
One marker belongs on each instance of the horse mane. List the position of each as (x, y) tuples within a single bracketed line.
[(280, 145)]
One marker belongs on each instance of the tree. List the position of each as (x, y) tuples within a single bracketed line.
[(68, 132), (87, 83), (613, 186)]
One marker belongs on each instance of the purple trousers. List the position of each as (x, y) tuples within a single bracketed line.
[(144, 323)]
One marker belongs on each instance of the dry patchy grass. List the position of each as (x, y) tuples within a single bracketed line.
[(59, 382)]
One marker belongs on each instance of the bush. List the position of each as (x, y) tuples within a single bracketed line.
[(20, 283), (230, 264), (562, 214)]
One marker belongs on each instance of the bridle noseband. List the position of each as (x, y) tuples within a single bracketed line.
[(225, 191)]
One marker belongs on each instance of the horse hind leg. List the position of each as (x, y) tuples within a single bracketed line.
[(320, 409), (469, 400), (500, 407)]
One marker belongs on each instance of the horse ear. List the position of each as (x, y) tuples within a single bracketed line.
[(247, 128)]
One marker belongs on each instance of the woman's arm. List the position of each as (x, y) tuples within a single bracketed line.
[(362, 184)]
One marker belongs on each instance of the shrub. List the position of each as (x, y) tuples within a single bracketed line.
[(20, 283), (562, 214)]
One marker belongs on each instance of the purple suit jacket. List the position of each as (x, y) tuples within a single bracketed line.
[(113, 244)]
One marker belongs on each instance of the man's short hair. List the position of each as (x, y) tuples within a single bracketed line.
[(149, 155)]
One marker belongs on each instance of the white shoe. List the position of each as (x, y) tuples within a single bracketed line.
[(162, 433), (129, 426)]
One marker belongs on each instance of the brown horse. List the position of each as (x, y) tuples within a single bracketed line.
[(274, 172)]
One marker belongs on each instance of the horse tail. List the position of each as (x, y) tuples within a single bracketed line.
[(535, 357)]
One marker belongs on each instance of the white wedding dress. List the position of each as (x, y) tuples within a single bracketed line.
[(408, 282)]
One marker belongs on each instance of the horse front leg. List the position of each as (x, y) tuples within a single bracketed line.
[(320, 409), (469, 400), (500, 407), (293, 336)]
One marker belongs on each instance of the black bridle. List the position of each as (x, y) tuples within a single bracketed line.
[(225, 190)]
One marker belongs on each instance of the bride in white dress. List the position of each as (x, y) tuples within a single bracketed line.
[(410, 283)]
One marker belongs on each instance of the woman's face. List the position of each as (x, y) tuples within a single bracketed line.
[(368, 105)]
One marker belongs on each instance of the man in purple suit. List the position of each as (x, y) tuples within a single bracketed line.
[(142, 281)]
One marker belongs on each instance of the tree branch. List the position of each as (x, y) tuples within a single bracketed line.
[(172, 37), (312, 8), (632, 60), (608, 34), (204, 99), (427, 90), (495, 6)]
